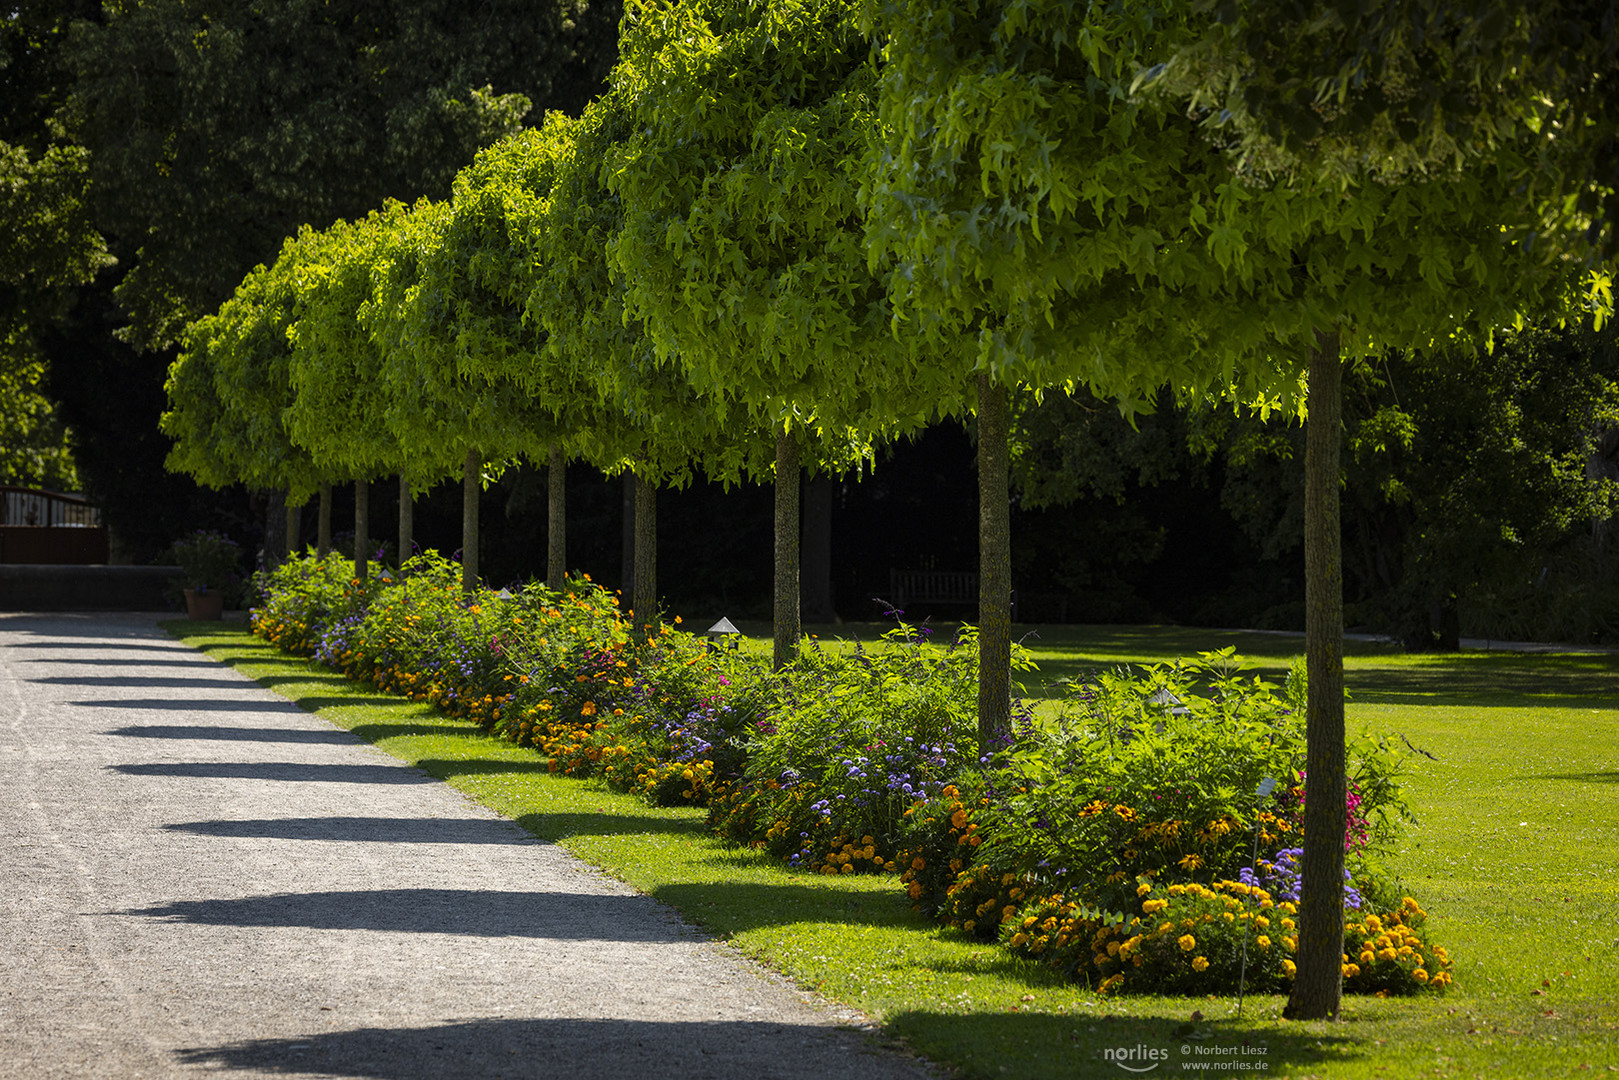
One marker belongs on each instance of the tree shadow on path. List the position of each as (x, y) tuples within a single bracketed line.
[(581, 1049), (560, 916)]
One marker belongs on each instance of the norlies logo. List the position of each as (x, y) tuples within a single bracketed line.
[(1137, 1058)]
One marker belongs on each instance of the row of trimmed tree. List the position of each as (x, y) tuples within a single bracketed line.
[(792, 229)]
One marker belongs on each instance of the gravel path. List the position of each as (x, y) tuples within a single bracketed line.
[(201, 879)]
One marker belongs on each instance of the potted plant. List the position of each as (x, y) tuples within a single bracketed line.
[(208, 561)]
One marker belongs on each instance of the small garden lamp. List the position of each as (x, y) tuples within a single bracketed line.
[(724, 631)]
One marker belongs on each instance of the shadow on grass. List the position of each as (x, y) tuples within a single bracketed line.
[(1121, 1045), (310, 675), (1587, 778), (317, 702), (566, 825), (431, 726), (734, 907), (1500, 680), (1503, 680), (448, 767), (238, 641)]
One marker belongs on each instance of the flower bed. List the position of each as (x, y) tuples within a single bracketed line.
[(1144, 840)]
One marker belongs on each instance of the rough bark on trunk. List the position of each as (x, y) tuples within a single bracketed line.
[(815, 585), (275, 529), (362, 529), (994, 570), (471, 487), (556, 530), (626, 567), (407, 520), (786, 623), (645, 597), (1318, 985), (323, 522)]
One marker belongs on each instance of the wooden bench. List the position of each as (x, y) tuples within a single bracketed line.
[(906, 587)]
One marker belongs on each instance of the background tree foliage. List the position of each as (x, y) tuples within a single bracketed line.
[(1399, 88), (219, 128), (212, 131)]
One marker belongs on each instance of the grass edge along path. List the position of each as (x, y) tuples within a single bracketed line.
[(853, 939)]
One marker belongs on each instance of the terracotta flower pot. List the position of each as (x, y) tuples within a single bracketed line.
[(201, 604)]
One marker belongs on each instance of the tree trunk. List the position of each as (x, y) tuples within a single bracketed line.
[(323, 522), (294, 527), (362, 529), (626, 567), (275, 529), (994, 570), (471, 487), (407, 520), (556, 537), (1318, 986), (786, 622), (645, 597), (815, 587)]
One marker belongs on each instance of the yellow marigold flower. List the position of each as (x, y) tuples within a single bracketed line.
[(1288, 924), (1289, 944), (1373, 924), (1351, 970), (1420, 975), (588, 709), (1262, 941), (1367, 957), (1289, 968), (1187, 942), (1143, 889), (1386, 954), (1152, 907), (1165, 928), (1200, 963)]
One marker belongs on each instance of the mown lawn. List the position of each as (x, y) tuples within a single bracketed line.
[(1515, 855)]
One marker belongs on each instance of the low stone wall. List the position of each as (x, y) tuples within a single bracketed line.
[(57, 545), (58, 587)]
